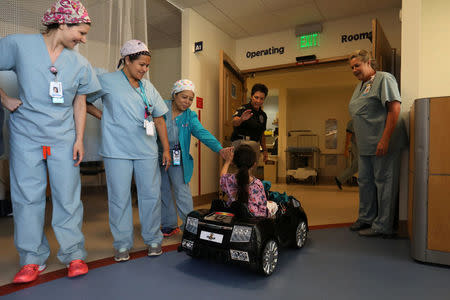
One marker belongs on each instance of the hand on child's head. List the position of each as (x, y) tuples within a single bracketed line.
[(229, 153)]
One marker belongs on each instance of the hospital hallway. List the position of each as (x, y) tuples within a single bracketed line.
[(324, 205), (335, 263)]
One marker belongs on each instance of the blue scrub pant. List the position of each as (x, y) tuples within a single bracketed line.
[(148, 180), (172, 180), (28, 171), (378, 190)]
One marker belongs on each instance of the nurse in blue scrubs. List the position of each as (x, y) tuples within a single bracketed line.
[(132, 119), (182, 123), (46, 134), (375, 109)]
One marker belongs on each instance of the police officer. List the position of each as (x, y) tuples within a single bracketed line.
[(250, 121)]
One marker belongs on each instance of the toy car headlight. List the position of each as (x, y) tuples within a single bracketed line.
[(187, 244), (191, 225), (295, 203), (241, 234)]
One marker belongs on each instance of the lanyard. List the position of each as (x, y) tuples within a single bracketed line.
[(54, 71), (141, 93), (369, 82)]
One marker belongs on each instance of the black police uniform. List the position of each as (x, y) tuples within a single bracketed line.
[(251, 129)]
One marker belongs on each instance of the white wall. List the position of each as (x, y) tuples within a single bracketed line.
[(435, 49), (411, 56), (425, 65), (165, 69), (330, 40), (203, 69)]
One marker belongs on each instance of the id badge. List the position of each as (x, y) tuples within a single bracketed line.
[(367, 89), (149, 127), (56, 92), (176, 157)]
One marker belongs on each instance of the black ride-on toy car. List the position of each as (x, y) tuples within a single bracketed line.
[(232, 234)]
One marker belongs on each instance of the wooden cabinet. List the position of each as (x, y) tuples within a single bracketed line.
[(429, 176)]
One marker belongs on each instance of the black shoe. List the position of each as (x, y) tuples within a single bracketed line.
[(338, 183), (358, 225)]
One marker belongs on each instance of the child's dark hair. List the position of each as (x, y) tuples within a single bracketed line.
[(244, 158)]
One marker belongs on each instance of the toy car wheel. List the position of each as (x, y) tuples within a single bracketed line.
[(269, 258), (301, 233)]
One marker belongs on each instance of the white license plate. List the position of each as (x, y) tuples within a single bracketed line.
[(211, 236)]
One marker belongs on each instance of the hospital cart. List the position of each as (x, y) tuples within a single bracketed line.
[(303, 154)]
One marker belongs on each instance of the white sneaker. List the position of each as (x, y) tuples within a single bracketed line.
[(123, 254), (154, 249)]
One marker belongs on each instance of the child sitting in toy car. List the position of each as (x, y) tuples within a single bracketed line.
[(242, 186)]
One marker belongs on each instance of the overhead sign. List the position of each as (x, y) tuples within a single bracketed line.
[(308, 40), (356, 37), (268, 51), (198, 46)]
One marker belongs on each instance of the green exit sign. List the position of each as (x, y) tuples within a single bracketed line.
[(308, 40)]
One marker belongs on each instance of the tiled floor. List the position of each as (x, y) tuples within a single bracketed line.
[(324, 204)]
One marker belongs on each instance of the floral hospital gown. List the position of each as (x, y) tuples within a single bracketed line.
[(257, 202)]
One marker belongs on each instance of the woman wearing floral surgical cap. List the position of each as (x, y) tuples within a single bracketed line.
[(46, 135), (132, 119), (181, 124)]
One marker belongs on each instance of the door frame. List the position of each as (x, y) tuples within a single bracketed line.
[(226, 62), (378, 42)]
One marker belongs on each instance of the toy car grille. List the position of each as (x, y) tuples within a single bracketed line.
[(214, 253), (210, 225)]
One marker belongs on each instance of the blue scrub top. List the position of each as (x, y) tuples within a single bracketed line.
[(368, 109), (38, 120), (172, 130), (123, 132), (188, 124)]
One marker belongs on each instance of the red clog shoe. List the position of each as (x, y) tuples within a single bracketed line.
[(28, 273), (77, 267)]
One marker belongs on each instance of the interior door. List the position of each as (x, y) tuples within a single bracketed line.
[(231, 96), (381, 49)]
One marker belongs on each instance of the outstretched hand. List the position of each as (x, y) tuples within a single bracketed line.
[(247, 114), (223, 151), (227, 154)]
